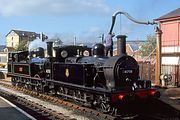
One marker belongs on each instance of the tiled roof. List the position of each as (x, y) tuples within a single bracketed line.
[(134, 45), (172, 14), (25, 33), (2, 47)]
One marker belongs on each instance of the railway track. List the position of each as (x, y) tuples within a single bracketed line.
[(153, 109), (49, 113), (150, 110), (36, 110)]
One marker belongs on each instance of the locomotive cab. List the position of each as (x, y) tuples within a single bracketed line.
[(17, 61)]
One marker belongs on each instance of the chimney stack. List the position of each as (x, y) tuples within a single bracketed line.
[(121, 44), (49, 48)]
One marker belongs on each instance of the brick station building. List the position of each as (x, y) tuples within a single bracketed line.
[(170, 45)]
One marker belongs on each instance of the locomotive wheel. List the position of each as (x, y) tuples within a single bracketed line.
[(29, 86), (16, 81), (13, 80), (103, 105), (105, 108), (46, 89)]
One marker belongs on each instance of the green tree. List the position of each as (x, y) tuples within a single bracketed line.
[(23, 46), (149, 46)]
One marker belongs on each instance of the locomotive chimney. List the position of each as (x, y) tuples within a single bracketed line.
[(49, 48), (121, 44)]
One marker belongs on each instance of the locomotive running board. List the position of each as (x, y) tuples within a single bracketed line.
[(92, 89)]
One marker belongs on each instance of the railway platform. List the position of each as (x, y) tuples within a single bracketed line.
[(9, 111), (171, 96)]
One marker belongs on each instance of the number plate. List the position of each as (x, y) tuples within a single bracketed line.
[(127, 71)]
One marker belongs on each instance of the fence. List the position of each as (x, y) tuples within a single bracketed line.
[(174, 71), (147, 71)]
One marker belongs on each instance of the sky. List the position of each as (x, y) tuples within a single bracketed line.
[(85, 20)]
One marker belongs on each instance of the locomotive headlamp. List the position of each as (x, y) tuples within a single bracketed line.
[(154, 93), (20, 69), (34, 55), (120, 97), (64, 54), (86, 53)]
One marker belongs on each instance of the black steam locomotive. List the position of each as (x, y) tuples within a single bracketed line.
[(81, 73)]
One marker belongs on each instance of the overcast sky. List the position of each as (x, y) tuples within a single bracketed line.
[(84, 19)]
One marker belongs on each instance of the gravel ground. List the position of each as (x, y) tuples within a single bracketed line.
[(67, 112), (168, 95), (171, 96)]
